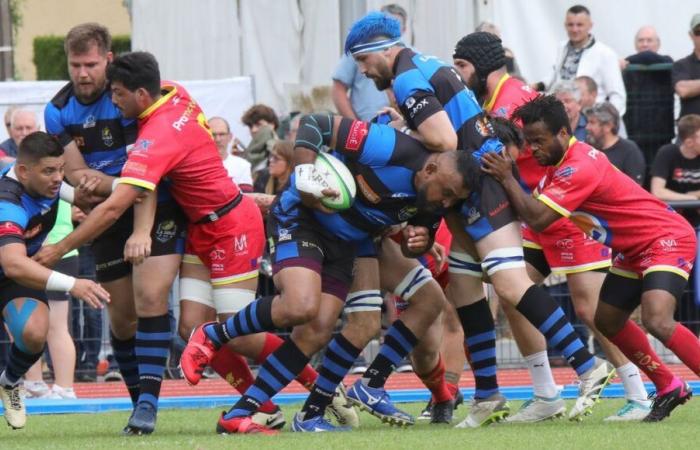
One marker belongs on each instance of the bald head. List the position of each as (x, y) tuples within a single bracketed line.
[(221, 133), (647, 39), (22, 123)]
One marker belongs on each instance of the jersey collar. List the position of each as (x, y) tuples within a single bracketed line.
[(572, 141), (489, 104), (171, 91)]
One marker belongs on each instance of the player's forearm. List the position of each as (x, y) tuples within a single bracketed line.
[(531, 211), (668, 195), (145, 213), (101, 218), (688, 88), (104, 188), (23, 270)]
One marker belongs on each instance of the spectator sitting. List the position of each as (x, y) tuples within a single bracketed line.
[(22, 122), (603, 126), (262, 122), (567, 92), (686, 73), (238, 168), (588, 90), (279, 169), (647, 44), (675, 173)]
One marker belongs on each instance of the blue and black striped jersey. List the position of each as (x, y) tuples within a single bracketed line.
[(23, 218), (98, 129)]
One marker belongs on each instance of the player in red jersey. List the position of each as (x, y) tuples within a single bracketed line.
[(225, 230), (561, 249), (656, 245)]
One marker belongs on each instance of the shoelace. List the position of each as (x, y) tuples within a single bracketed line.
[(15, 399)]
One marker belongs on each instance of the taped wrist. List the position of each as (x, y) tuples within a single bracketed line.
[(315, 131)]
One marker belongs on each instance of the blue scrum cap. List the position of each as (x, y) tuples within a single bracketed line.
[(362, 37)]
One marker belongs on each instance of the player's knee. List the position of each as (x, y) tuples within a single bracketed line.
[(659, 326), (302, 310), (585, 314), (34, 338), (362, 326), (123, 327)]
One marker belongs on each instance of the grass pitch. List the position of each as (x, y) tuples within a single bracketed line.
[(194, 429)]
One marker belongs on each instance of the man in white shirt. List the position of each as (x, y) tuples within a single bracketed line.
[(582, 54), (238, 168)]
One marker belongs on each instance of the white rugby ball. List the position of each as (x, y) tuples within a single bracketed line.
[(336, 176)]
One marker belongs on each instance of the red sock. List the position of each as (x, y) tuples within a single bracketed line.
[(453, 388), (632, 341), (307, 377), (686, 346), (234, 368), (435, 382)]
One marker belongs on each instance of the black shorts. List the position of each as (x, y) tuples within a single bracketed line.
[(168, 238), (67, 266), (486, 210), (10, 290), (626, 293), (300, 241)]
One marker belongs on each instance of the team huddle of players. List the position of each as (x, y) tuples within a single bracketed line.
[(439, 175)]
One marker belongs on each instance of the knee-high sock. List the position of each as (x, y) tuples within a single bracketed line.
[(18, 364), (398, 342), (545, 314), (308, 375), (633, 342), (278, 371), (480, 341), (337, 361), (234, 368), (686, 346), (254, 318), (435, 382), (125, 356), (152, 345)]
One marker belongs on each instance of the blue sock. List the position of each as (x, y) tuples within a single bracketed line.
[(278, 370), (125, 357), (398, 342), (339, 357), (545, 314), (152, 344), (254, 318), (480, 338)]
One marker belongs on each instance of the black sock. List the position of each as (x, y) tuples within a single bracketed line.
[(152, 345), (339, 357), (125, 356), (398, 342), (480, 338), (254, 318), (18, 364)]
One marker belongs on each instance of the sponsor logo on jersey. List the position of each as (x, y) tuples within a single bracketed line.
[(483, 126), (283, 235), (367, 191), (565, 243), (218, 254), (407, 212), (240, 244), (140, 146), (134, 168), (417, 107), (494, 212), (564, 173), (165, 231), (10, 228), (90, 121), (473, 215), (410, 101), (185, 117), (358, 131), (107, 137)]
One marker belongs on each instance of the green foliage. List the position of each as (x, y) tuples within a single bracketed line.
[(50, 59)]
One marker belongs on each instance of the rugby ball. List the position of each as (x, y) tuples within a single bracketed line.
[(336, 176)]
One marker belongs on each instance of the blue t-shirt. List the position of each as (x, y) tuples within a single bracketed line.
[(365, 98)]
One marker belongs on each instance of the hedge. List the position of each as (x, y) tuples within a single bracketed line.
[(50, 59)]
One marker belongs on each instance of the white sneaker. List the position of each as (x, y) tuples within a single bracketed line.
[(13, 404), (485, 412), (37, 389), (63, 393), (276, 420), (538, 409), (632, 411), (342, 409), (591, 385)]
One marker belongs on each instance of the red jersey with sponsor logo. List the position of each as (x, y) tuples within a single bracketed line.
[(608, 205), (174, 141), (511, 93)]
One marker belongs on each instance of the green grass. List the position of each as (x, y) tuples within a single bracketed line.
[(194, 429)]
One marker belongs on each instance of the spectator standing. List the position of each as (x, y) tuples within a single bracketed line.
[(262, 121), (582, 54), (686, 73), (567, 92), (588, 90), (239, 169), (22, 122), (603, 127)]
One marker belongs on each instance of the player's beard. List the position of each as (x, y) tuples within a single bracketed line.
[(478, 86), (383, 80), (422, 202)]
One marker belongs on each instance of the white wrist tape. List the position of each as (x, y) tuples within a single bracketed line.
[(115, 183), (67, 193), (308, 180), (59, 282)]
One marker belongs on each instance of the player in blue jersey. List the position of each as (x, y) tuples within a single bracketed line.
[(96, 139), (28, 206), (441, 112), (313, 250)]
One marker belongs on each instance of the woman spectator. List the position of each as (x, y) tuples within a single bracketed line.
[(275, 178)]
